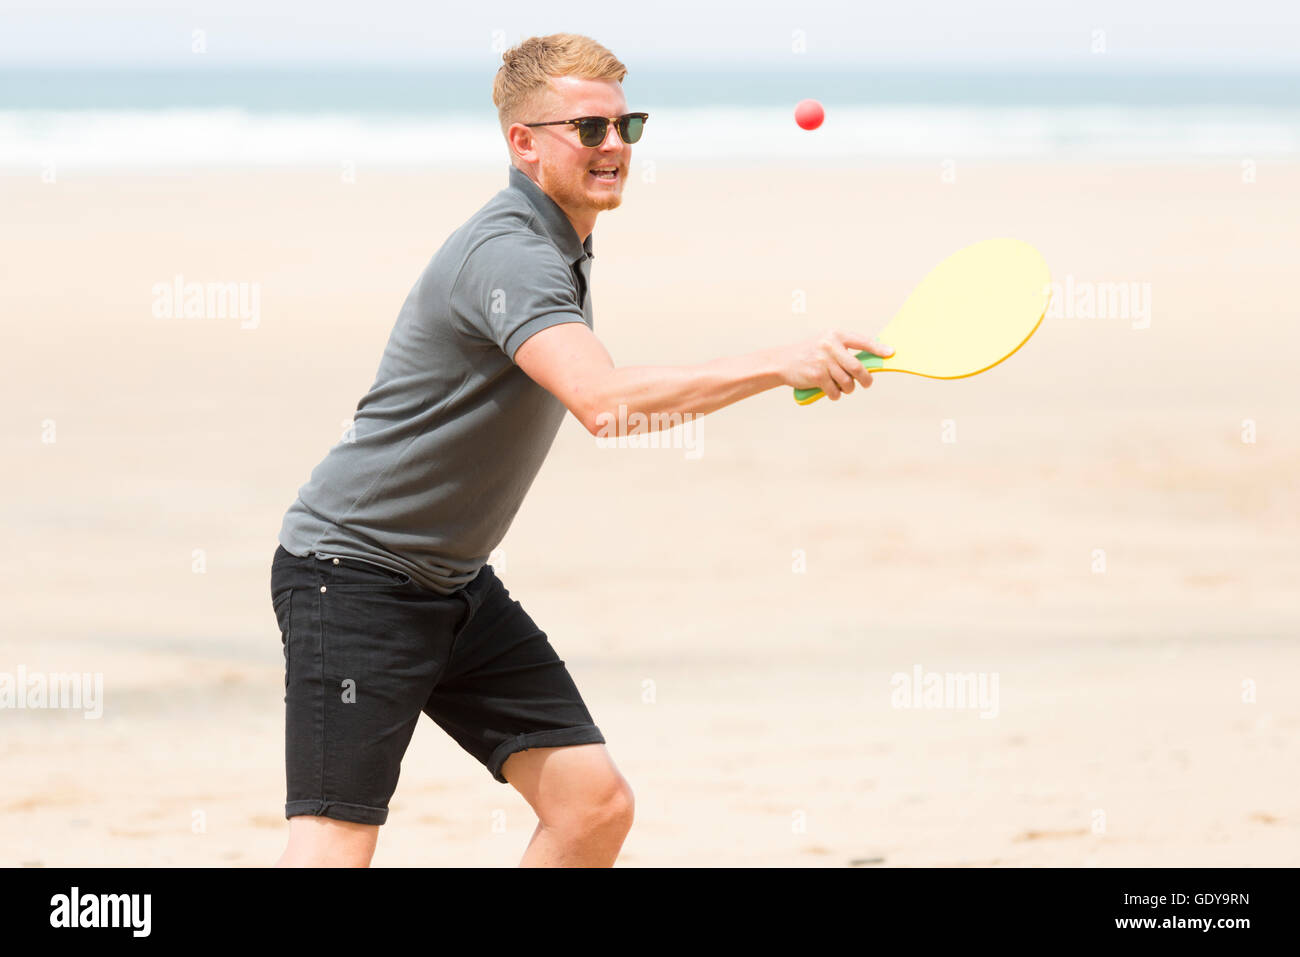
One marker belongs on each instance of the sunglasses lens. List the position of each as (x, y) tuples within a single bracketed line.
[(591, 131), (630, 127)]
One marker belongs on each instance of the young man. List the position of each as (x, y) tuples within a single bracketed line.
[(386, 604)]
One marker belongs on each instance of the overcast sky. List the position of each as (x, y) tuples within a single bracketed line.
[(867, 34)]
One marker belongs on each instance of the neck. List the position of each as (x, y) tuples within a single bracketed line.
[(582, 225), (583, 221)]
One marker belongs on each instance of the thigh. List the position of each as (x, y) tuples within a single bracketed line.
[(506, 688), (363, 648), (566, 781)]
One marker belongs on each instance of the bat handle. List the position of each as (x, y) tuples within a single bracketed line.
[(869, 360)]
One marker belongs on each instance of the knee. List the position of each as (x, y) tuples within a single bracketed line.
[(613, 813), (620, 806), (607, 808)]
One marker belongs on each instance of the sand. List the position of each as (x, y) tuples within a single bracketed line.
[(733, 618)]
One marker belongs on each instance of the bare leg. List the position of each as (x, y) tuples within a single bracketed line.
[(324, 842), (584, 806)]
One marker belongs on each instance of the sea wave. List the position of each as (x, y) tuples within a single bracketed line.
[(116, 139)]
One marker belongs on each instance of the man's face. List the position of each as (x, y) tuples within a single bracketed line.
[(564, 166)]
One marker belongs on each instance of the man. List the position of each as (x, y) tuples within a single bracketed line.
[(386, 604)]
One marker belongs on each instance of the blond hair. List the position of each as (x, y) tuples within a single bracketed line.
[(523, 80)]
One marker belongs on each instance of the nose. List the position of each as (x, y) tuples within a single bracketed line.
[(612, 132)]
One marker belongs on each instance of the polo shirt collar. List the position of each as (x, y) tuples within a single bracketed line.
[(553, 219)]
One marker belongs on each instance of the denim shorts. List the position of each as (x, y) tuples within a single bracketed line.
[(366, 650)]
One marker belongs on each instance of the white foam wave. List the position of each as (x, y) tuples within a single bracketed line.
[(232, 137)]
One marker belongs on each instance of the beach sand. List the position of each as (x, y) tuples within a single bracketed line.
[(1106, 524)]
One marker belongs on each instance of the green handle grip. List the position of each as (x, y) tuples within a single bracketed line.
[(869, 361)]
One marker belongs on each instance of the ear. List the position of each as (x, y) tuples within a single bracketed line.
[(522, 142), (521, 139)]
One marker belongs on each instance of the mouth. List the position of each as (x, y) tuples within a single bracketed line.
[(604, 174)]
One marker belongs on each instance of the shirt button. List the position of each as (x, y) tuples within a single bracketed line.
[(322, 587), (336, 561)]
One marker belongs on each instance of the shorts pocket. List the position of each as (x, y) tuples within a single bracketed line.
[(283, 605), (352, 573)]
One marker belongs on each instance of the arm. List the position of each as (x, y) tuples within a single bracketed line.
[(573, 365)]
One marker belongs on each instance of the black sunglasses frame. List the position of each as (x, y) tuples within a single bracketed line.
[(621, 123)]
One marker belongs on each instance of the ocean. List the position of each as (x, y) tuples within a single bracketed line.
[(211, 117)]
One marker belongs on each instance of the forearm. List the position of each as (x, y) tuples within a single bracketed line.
[(681, 390)]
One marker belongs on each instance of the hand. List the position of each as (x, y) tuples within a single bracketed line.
[(829, 362)]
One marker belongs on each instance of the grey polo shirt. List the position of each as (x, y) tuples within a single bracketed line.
[(450, 436)]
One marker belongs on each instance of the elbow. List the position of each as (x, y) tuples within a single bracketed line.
[(596, 421), (587, 418), (595, 410)]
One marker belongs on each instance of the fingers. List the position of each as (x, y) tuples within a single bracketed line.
[(866, 344), (851, 364), (841, 381), (829, 384), (840, 368)]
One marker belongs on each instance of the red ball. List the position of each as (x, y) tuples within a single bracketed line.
[(809, 114)]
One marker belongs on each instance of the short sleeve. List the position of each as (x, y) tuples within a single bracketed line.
[(513, 286)]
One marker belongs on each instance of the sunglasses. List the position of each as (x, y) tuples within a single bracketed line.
[(593, 129)]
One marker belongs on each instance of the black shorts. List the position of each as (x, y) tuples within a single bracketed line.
[(366, 650)]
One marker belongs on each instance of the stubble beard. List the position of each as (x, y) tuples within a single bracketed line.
[(574, 195)]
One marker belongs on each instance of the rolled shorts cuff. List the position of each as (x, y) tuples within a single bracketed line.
[(555, 738), (338, 810)]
